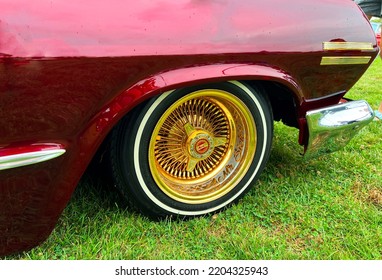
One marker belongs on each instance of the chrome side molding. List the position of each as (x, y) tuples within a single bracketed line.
[(347, 46), (345, 60), (28, 158), (331, 128)]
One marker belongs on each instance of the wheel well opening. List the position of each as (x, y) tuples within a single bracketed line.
[(282, 101)]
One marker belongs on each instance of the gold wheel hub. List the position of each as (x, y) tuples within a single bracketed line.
[(202, 146)]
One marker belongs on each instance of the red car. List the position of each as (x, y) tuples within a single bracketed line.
[(182, 94), (377, 29)]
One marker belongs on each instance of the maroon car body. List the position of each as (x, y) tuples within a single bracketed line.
[(71, 70)]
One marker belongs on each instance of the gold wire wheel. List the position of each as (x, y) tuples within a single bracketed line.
[(202, 146)]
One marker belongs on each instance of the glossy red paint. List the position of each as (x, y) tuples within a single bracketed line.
[(69, 71), (115, 28)]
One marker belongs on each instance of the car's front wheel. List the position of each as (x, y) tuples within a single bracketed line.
[(193, 150)]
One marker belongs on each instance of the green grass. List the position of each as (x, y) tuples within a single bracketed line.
[(326, 208)]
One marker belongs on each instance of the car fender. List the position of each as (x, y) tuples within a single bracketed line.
[(154, 85)]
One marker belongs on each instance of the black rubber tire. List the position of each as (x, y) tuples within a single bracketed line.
[(129, 152)]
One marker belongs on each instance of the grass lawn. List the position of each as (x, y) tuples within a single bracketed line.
[(326, 208)]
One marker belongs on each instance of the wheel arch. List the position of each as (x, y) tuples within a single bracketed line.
[(281, 88), (275, 82)]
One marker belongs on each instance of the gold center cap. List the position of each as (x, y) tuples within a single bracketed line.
[(201, 146)]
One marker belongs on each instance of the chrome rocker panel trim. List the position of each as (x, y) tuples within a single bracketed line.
[(331, 128), (22, 159)]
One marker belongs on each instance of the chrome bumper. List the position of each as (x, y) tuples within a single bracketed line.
[(331, 128)]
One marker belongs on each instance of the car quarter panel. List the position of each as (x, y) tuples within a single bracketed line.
[(70, 71)]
